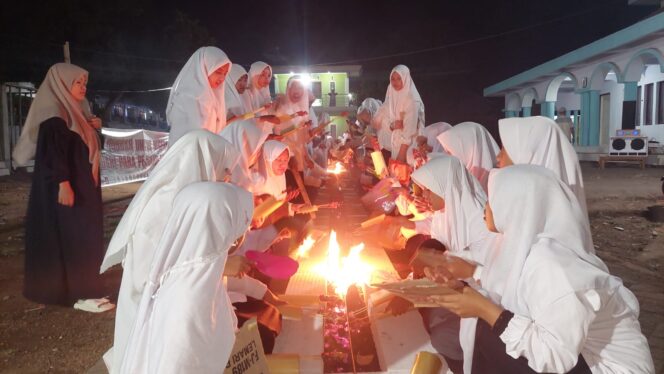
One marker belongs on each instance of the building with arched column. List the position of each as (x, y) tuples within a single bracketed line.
[(614, 83)]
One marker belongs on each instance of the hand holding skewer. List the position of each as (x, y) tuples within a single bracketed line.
[(292, 194), (269, 118), (422, 205)]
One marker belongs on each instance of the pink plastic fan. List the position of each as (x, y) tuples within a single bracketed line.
[(277, 267)]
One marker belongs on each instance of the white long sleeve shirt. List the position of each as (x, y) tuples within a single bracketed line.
[(590, 314)]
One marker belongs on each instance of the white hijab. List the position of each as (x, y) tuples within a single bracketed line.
[(371, 105), (54, 99), (237, 104), (547, 209), (259, 96), (432, 132), (474, 146), (247, 139), (297, 140), (408, 98), (193, 104), (185, 322), (462, 220), (265, 181), (539, 141), (198, 156), (302, 105)]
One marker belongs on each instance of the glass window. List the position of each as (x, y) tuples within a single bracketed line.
[(648, 104), (639, 107), (660, 102)]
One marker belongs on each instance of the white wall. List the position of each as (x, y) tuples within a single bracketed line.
[(617, 93), (570, 100), (652, 74)]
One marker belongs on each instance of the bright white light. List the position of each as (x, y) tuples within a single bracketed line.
[(306, 79), (350, 95), (291, 73)]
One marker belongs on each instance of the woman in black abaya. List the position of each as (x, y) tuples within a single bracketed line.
[(64, 233)]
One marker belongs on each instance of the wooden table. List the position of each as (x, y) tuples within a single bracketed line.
[(640, 159)]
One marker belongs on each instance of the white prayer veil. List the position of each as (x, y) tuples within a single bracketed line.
[(371, 105), (259, 96), (547, 209), (474, 146), (236, 103), (185, 322), (247, 139), (265, 181), (432, 132), (198, 156), (539, 141), (193, 104), (463, 216), (404, 99)]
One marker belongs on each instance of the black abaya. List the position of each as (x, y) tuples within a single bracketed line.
[(63, 245)]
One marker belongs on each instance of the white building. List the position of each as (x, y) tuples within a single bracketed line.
[(614, 83)]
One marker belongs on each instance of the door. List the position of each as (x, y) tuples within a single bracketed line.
[(317, 89), (604, 118)]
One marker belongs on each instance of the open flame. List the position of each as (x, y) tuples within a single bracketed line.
[(304, 248), (338, 169), (344, 272)]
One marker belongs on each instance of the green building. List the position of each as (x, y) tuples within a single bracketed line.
[(329, 84)]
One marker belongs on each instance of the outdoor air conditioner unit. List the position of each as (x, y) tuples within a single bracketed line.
[(628, 146)]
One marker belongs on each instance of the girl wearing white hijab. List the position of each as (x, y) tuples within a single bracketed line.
[(61, 259), (296, 100), (457, 201), (238, 100), (405, 111), (539, 141), (552, 306), (247, 139), (474, 146), (367, 110), (432, 132), (269, 178), (198, 156), (185, 323), (260, 75), (458, 223), (197, 96)]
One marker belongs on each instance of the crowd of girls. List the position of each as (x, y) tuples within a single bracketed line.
[(508, 227)]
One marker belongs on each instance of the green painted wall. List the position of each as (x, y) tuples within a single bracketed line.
[(341, 124), (324, 78)]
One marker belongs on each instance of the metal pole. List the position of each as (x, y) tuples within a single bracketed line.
[(66, 52), (10, 113), (6, 130)]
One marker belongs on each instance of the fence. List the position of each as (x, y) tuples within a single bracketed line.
[(15, 103)]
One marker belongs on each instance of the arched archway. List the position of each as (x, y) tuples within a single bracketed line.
[(566, 79), (512, 105), (601, 72), (529, 100), (637, 72), (638, 62), (563, 84)]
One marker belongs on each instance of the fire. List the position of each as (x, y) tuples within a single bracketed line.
[(344, 272), (338, 169), (305, 247)]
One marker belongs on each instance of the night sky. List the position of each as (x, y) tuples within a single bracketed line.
[(487, 41)]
